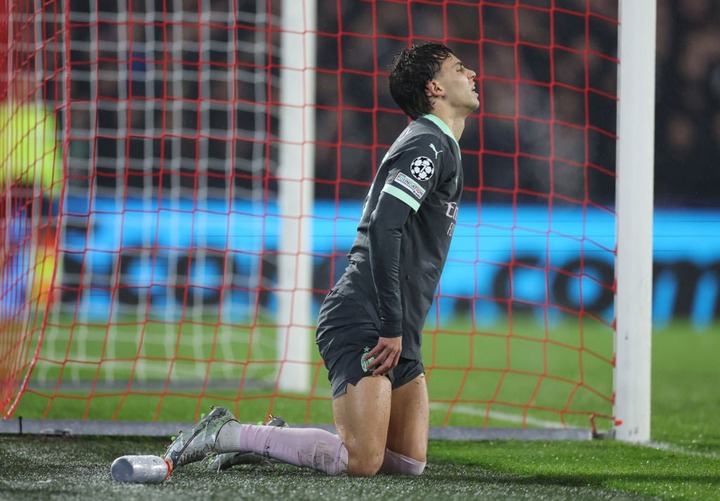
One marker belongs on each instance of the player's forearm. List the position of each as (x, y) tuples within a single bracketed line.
[(385, 235), (384, 246)]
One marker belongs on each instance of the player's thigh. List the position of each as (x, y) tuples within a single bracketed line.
[(361, 416), (410, 419)]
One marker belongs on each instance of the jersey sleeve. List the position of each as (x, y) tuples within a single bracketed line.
[(385, 230), (415, 170)]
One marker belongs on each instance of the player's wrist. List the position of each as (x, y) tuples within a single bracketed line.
[(390, 330)]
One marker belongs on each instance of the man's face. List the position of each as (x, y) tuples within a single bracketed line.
[(458, 82)]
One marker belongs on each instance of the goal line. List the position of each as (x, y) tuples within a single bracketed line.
[(71, 427)]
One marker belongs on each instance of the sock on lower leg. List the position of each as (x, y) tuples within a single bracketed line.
[(310, 447), (397, 464)]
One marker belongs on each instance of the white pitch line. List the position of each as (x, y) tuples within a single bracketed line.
[(514, 418), (502, 416), (680, 450)]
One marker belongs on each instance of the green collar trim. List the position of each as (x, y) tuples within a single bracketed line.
[(443, 126)]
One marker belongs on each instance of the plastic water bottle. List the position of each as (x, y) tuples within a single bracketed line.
[(140, 469)]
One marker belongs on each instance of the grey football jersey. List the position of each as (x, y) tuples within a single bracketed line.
[(394, 276)]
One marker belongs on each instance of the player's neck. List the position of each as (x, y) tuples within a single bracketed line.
[(455, 123)]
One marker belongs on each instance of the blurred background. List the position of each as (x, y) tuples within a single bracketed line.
[(146, 172), (178, 100), (688, 103), (121, 51)]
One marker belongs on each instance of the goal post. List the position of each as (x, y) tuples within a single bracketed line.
[(296, 195), (215, 158), (635, 167)]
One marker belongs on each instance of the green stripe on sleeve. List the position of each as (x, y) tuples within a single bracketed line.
[(402, 196)]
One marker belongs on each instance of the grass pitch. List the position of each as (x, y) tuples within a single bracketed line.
[(79, 468), (684, 463), (501, 375)]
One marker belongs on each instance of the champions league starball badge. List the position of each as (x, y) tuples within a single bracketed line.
[(422, 168)]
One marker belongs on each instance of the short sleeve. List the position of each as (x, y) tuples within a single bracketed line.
[(414, 171)]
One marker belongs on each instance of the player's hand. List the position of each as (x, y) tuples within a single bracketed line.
[(385, 355)]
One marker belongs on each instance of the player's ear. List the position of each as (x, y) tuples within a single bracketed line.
[(434, 89)]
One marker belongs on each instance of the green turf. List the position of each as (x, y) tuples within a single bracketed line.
[(477, 376), (685, 395), (685, 465), (79, 468)]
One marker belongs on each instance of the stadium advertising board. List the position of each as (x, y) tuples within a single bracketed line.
[(137, 256)]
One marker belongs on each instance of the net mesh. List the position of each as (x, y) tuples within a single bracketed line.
[(142, 219)]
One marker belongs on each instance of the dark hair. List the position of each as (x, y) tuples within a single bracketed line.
[(410, 70)]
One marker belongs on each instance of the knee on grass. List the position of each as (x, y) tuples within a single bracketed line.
[(391, 462), (395, 463), (364, 465)]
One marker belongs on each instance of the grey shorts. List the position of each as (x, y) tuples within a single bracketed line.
[(345, 333)]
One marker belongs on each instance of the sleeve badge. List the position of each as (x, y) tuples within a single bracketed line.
[(422, 168)]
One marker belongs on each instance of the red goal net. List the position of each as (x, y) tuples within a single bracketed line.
[(171, 214)]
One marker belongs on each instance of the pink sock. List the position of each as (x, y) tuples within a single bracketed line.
[(397, 464), (311, 447)]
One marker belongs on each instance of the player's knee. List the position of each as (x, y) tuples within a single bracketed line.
[(364, 465), (363, 469)]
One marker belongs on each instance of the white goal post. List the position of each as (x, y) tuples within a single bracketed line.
[(296, 193), (634, 208)]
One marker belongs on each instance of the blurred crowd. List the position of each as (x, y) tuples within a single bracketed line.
[(183, 95), (688, 103)]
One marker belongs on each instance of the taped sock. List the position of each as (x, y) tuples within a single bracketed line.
[(308, 447), (397, 464)]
